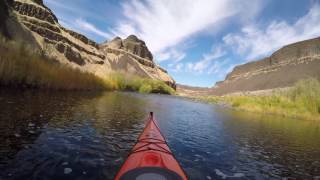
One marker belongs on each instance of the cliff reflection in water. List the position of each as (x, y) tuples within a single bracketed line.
[(276, 146), (44, 133)]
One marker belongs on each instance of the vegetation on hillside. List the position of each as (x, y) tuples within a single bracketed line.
[(134, 83), (20, 66), (302, 101)]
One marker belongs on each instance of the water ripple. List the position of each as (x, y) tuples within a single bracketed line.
[(88, 136)]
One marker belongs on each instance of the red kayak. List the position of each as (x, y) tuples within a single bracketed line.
[(151, 158)]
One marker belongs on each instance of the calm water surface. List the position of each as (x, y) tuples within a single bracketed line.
[(88, 135)]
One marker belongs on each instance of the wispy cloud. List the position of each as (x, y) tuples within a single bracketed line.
[(164, 24), (86, 26), (80, 17), (71, 10), (256, 41), (175, 55), (209, 63), (178, 67), (206, 61)]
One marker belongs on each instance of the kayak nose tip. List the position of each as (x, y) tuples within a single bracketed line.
[(151, 114)]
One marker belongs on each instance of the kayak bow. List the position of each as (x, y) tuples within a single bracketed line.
[(151, 158)]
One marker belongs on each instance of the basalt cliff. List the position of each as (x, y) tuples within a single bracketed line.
[(31, 22), (282, 69)]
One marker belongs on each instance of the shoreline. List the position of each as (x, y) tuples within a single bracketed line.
[(302, 101), (228, 105)]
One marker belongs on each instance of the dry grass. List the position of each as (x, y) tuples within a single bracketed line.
[(20, 66), (302, 101)]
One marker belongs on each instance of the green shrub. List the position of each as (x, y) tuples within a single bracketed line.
[(306, 93), (146, 88), (143, 85)]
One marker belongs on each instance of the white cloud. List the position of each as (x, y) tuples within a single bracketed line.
[(75, 16), (221, 68), (253, 42), (59, 5), (206, 61), (164, 24), (175, 54), (86, 26), (209, 63), (171, 54), (178, 67), (71, 10)]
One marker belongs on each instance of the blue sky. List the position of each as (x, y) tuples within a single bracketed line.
[(197, 41)]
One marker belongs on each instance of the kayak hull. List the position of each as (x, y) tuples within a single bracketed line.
[(151, 156)]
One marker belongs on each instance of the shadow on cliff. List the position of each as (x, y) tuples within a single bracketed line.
[(11, 29)]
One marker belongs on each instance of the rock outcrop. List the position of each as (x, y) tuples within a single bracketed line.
[(282, 69), (132, 45), (136, 46), (124, 55), (32, 22)]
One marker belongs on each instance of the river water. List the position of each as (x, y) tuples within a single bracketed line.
[(82, 135)]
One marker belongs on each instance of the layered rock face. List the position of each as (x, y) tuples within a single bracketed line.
[(132, 45), (124, 54), (35, 24), (282, 69)]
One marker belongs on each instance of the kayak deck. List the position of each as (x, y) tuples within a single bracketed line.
[(151, 158)]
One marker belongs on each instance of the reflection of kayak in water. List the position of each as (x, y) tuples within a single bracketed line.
[(151, 158)]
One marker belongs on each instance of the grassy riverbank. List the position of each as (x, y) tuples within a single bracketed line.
[(20, 67), (302, 101), (120, 81)]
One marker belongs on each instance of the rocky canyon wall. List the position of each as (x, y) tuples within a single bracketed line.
[(31, 22), (282, 69)]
